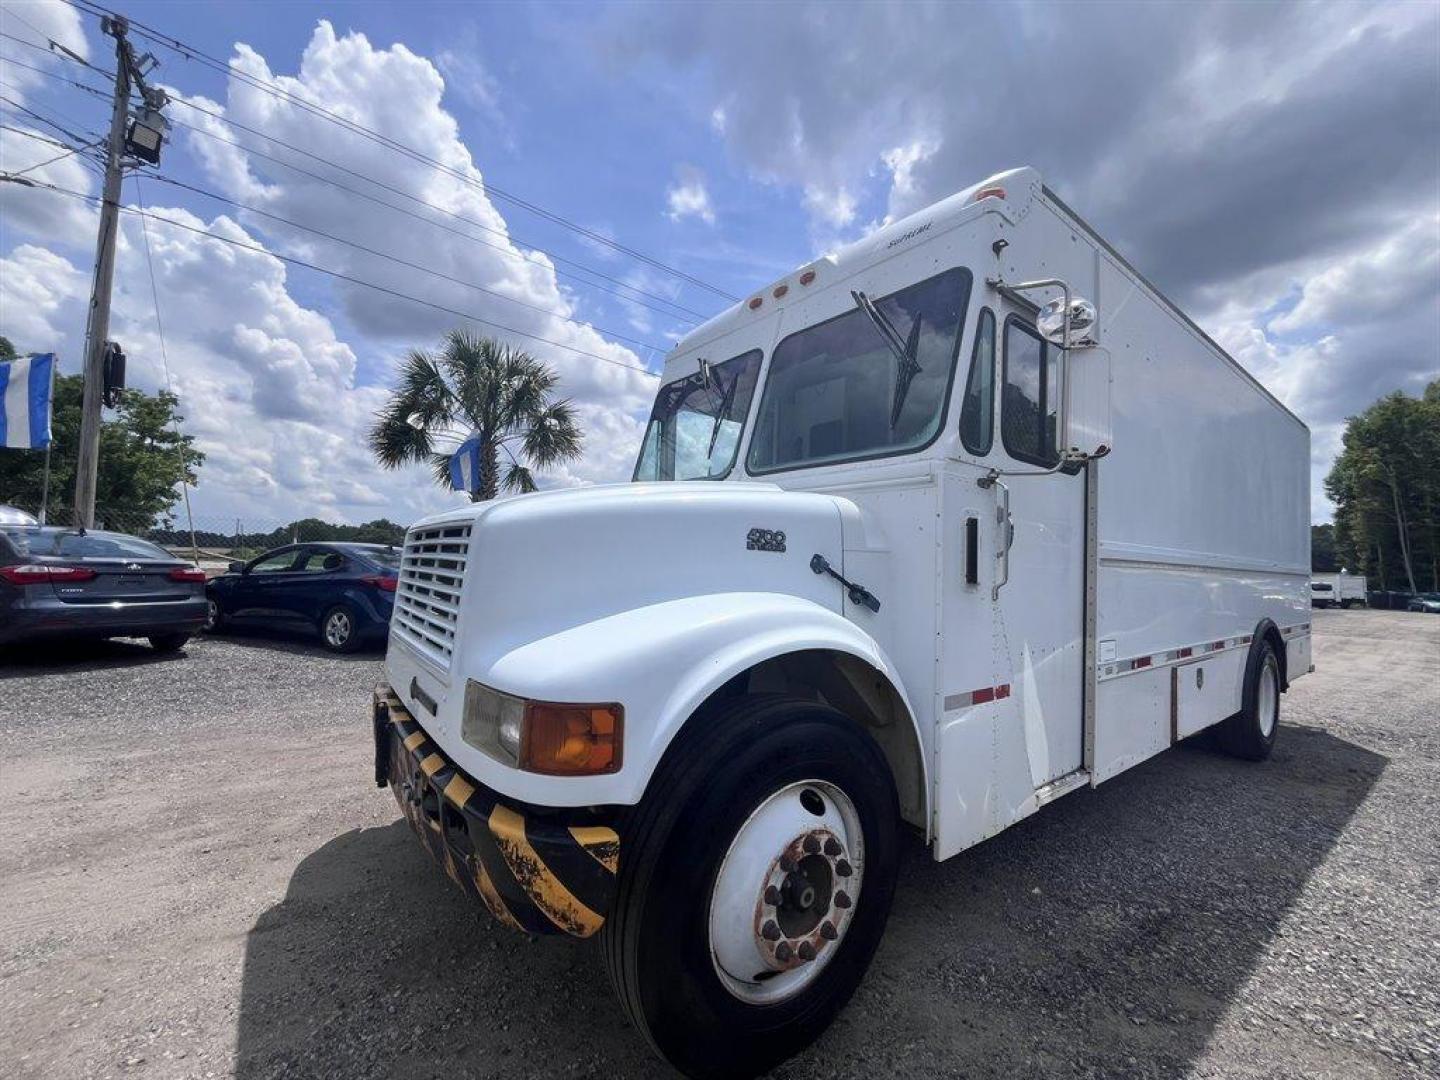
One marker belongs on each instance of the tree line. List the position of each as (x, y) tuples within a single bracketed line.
[(1386, 489)]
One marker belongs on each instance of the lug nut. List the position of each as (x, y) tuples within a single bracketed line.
[(811, 845), (782, 952), (832, 847), (843, 868), (842, 899), (787, 864), (772, 895), (770, 932), (806, 951), (827, 931)]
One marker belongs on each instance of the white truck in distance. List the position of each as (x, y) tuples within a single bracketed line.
[(1338, 590), (934, 531)]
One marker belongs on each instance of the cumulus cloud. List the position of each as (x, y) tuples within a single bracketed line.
[(279, 390), (1265, 164), (38, 23), (688, 197)]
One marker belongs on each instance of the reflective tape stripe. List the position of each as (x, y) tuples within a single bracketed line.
[(543, 887), (600, 843)]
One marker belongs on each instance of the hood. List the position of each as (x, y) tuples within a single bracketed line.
[(539, 564)]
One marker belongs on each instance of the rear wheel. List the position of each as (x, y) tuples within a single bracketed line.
[(339, 631), (755, 883), (168, 643), (1250, 733), (214, 616)]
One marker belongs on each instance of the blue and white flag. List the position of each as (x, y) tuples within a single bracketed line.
[(25, 387), (465, 466)]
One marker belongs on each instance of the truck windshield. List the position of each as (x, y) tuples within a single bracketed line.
[(695, 426), (840, 390)]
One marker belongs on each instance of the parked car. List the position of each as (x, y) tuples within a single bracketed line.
[(1425, 601), (342, 592), (63, 582)]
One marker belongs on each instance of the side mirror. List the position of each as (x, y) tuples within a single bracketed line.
[(235, 568), (1050, 322)]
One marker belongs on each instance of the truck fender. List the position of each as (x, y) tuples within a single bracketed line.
[(663, 661)]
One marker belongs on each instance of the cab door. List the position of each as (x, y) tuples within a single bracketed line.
[(1039, 612)]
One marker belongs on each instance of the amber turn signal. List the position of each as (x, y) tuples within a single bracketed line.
[(571, 740)]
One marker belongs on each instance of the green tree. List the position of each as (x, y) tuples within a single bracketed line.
[(1386, 488), (1322, 549), (142, 458), (476, 384)]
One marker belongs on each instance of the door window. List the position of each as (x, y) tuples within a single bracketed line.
[(320, 562), (1029, 399), (695, 425), (275, 564), (977, 411)]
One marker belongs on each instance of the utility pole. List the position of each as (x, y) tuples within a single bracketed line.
[(88, 463), (133, 140)]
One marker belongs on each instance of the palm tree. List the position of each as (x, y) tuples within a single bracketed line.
[(480, 385)]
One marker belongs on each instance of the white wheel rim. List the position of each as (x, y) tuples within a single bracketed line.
[(337, 628), (1268, 698), (786, 892)]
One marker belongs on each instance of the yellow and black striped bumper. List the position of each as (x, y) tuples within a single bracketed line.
[(540, 873)]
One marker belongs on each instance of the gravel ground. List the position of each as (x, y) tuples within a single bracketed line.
[(198, 879)]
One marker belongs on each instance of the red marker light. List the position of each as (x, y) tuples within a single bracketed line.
[(780, 290), (989, 193), (755, 302), (807, 277)]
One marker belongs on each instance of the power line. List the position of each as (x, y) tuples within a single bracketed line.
[(192, 53), (164, 359), (396, 259), (50, 48), (43, 119), (405, 195), (292, 260), (505, 249)]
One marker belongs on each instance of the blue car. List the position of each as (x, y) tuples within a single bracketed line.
[(344, 593)]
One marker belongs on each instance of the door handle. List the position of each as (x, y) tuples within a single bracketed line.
[(1006, 528)]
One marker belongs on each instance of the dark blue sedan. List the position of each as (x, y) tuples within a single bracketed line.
[(342, 592)]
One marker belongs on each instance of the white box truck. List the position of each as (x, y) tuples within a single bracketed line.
[(1338, 590), (934, 530)]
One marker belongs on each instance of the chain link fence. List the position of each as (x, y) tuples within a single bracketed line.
[(216, 540)]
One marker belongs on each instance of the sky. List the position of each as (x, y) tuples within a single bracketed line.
[(1274, 168)]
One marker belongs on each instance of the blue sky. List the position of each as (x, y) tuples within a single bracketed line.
[(1259, 162)]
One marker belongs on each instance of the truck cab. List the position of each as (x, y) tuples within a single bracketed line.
[(861, 577)]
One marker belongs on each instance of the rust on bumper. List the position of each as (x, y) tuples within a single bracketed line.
[(539, 873)]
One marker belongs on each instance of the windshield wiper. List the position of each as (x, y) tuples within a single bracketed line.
[(726, 400), (907, 366)]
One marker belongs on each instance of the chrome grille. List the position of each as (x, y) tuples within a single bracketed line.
[(427, 595)]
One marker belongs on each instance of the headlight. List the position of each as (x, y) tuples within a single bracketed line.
[(554, 738)]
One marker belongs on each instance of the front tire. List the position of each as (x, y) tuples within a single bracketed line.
[(755, 883), (339, 630), (1250, 733)]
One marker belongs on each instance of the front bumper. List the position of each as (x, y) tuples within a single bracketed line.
[(537, 871)]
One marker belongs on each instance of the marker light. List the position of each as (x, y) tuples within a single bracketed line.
[(988, 193), (780, 290), (755, 302), (807, 277)]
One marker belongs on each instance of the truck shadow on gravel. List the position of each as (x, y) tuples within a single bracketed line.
[(1105, 936)]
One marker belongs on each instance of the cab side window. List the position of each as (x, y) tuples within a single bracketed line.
[(977, 410), (1029, 399)]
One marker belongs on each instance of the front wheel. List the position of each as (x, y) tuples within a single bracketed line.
[(756, 881), (339, 631)]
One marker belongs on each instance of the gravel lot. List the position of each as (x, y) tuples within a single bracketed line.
[(198, 879)]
